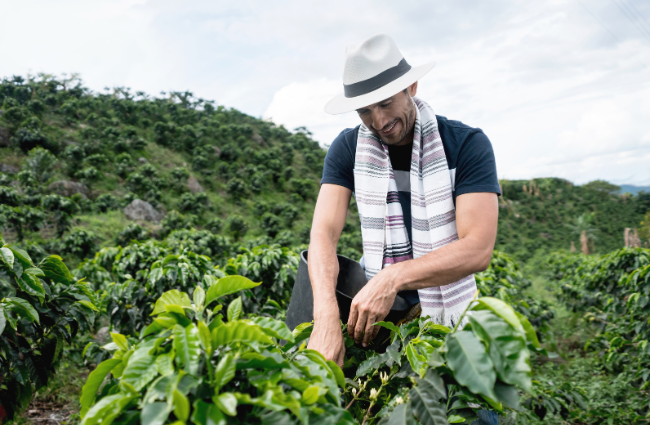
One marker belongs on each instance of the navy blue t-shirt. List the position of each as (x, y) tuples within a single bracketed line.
[(469, 153)]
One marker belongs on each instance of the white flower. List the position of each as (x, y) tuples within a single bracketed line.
[(354, 392), (384, 377), (373, 394), (399, 400)]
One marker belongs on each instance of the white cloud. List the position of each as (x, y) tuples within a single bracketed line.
[(545, 80)]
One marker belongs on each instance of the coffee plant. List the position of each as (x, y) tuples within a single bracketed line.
[(42, 307), (191, 365)]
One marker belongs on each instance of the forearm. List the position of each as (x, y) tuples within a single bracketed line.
[(323, 273), (443, 266)]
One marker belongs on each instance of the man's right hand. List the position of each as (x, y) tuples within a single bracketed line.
[(327, 339)]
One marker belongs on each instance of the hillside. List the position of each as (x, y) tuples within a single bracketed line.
[(206, 167), (71, 161)]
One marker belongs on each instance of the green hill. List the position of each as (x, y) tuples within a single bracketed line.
[(206, 167), (72, 160)]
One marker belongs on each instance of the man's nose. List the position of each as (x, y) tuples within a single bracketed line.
[(379, 120)]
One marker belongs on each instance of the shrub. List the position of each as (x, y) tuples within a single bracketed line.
[(236, 188), (80, 243), (201, 242), (41, 163), (271, 224), (204, 369), (29, 135), (174, 221), (275, 267), (193, 202), (132, 232), (42, 308), (87, 174), (215, 225), (106, 202), (237, 226), (9, 196)]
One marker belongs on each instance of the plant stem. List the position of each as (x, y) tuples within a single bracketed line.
[(365, 419), (462, 316)]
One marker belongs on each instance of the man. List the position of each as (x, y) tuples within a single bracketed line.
[(426, 188), (428, 209)]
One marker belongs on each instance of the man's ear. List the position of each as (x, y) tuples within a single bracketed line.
[(413, 89)]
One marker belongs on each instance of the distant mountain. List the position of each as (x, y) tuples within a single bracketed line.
[(630, 188)]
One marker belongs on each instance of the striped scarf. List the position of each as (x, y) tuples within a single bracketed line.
[(385, 240)]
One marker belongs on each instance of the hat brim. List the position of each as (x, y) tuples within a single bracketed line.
[(341, 104)]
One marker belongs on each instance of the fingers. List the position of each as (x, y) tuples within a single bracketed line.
[(360, 327), (369, 331), (341, 357), (352, 319)]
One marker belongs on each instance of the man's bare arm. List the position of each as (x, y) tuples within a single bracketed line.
[(327, 225), (476, 222)]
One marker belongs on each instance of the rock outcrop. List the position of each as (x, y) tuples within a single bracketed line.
[(69, 188), (142, 210), (193, 185)]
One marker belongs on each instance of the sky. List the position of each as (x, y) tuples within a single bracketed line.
[(561, 87)]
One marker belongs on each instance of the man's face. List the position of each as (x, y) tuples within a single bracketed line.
[(392, 119)]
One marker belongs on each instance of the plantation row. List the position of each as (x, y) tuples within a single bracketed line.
[(197, 342), (613, 293)]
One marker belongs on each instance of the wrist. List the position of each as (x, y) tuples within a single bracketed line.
[(327, 309)]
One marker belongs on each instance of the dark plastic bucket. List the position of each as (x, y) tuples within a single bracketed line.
[(351, 279)]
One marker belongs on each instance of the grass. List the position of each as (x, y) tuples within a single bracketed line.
[(106, 225)]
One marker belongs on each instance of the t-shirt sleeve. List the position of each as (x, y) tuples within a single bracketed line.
[(476, 169), (339, 161)]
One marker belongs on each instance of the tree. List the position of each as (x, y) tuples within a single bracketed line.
[(41, 162)]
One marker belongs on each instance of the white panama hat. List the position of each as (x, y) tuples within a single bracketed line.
[(374, 70)]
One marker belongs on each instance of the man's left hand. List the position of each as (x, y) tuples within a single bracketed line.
[(371, 305)]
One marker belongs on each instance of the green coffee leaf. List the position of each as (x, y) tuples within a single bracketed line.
[(417, 360), (228, 285), (199, 298), (181, 406), (7, 256), (106, 409), (225, 371), (402, 415), (234, 309), (388, 325), (94, 381), (506, 347), (239, 332), (508, 395), (310, 395), (3, 320), (265, 360), (35, 271), (22, 308), (425, 398), (165, 364), (155, 413), (31, 285), (227, 402), (501, 309), (531, 334), (205, 338), (23, 258), (54, 268), (275, 328), (120, 340), (471, 365), (140, 369), (188, 347), (207, 414), (173, 297)]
